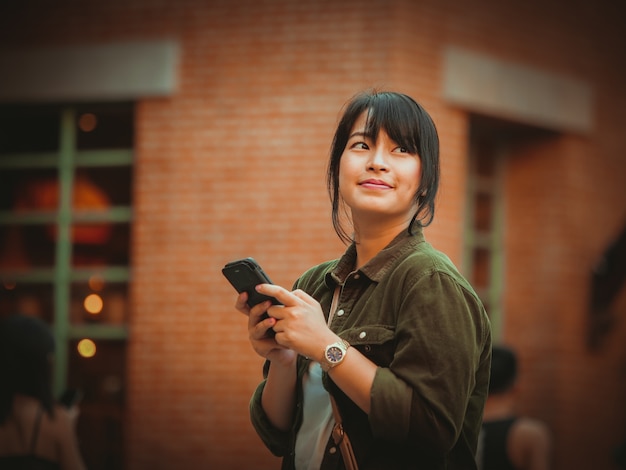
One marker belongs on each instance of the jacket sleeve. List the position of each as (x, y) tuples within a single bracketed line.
[(275, 440), (425, 393)]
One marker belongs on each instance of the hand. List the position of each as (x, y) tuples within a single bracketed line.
[(258, 325), (299, 323)]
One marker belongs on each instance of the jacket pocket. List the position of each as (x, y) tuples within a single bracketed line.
[(376, 342)]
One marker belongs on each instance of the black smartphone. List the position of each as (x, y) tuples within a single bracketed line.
[(244, 275), (70, 397)]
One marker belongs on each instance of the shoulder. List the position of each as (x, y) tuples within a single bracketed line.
[(424, 256), (529, 443), (428, 277), (60, 421), (426, 264), (531, 431)]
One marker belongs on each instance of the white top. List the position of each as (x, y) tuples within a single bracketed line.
[(317, 421)]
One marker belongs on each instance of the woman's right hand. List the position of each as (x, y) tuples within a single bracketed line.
[(259, 325)]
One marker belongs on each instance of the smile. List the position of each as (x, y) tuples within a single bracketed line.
[(375, 184)]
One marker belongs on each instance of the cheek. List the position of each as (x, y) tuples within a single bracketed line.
[(346, 174), (413, 173)]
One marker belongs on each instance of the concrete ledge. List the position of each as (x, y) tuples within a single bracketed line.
[(105, 72), (516, 92)]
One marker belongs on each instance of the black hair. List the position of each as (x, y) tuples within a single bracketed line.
[(503, 369), (408, 124), (26, 349)]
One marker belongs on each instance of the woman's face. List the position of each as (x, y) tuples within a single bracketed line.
[(378, 179)]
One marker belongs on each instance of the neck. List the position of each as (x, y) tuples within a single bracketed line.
[(372, 238)]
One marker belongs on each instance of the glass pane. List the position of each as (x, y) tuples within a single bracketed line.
[(29, 129), (26, 246), (480, 274), (102, 127), (28, 189), (32, 193), (483, 206), (98, 370), (485, 159), (97, 301), (100, 243), (28, 298), (102, 187)]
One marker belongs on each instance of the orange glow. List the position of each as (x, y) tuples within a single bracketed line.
[(96, 282), (93, 304), (86, 348), (87, 122), (87, 196)]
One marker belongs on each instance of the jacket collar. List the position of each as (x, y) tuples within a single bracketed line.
[(376, 268)]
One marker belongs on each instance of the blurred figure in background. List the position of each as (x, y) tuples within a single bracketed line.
[(509, 441), (35, 432)]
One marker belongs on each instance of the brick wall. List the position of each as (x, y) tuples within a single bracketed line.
[(234, 164)]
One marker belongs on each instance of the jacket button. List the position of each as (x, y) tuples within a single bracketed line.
[(362, 334), (340, 312), (332, 450)]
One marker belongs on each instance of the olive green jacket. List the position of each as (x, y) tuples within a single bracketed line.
[(410, 312)]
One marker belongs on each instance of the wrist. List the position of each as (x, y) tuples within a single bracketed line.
[(334, 354)]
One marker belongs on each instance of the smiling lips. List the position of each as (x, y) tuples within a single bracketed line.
[(375, 184)]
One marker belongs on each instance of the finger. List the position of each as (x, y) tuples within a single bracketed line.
[(279, 293), (276, 311), (300, 294), (258, 310), (262, 330), (242, 303)]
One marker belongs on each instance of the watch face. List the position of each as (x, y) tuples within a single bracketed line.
[(334, 354)]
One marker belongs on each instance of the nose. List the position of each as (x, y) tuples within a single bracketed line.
[(378, 160)]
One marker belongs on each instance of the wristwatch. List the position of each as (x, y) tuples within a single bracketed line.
[(334, 354)]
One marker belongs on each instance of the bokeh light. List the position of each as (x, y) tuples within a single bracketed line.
[(87, 122), (86, 348), (93, 304), (96, 283)]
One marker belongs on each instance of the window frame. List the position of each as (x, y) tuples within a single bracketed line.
[(492, 240), (61, 275)]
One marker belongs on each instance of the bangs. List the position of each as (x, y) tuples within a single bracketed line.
[(395, 114)]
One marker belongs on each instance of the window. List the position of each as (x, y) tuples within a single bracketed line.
[(65, 228), (483, 251)]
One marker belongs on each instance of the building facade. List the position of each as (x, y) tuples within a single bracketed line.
[(146, 143)]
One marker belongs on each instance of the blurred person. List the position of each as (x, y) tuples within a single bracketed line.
[(35, 432), (619, 455), (508, 440), (405, 353)]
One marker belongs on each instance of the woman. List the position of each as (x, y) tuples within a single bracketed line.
[(406, 354), (35, 433)]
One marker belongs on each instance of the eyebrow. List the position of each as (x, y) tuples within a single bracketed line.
[(358, 134)]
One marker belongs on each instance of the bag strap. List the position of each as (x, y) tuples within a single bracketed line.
[(334, 304), (342, 440), (35, 436)]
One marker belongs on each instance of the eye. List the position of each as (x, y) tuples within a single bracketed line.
[(359, 145), (400, 149)]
